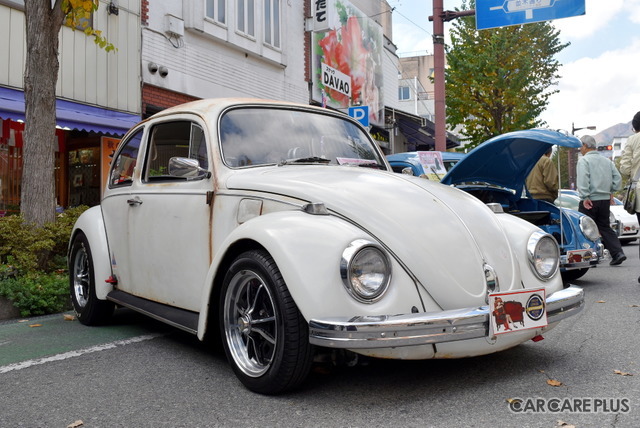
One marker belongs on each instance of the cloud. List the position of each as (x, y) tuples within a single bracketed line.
[(598, 15), (632, 9), (601, 91)]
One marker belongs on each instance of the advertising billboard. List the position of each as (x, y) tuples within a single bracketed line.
[(347, 58)]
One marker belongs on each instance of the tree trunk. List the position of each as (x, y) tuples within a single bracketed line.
[(37, 199)]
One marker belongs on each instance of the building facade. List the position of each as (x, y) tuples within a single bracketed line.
[(333, 53), (98, 100), (195, 49)]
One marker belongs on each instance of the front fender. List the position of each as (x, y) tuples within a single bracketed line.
[(519, 232), (91, 224), (307, 250)]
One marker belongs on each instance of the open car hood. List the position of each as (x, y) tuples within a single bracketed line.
[(507, 160)]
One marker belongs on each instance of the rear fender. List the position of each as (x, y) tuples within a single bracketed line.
[(91, 224)]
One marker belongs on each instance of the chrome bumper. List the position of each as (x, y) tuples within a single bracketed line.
[(386, 331), (597, 254)]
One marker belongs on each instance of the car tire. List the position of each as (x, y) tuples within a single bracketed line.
[(88, 308), (264, 336), (572, 275)]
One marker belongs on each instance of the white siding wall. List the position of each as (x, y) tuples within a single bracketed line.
[(88, 74), (215, 61), (12, 47)]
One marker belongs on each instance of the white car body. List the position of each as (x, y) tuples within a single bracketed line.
[(166, 247), (628, 223)]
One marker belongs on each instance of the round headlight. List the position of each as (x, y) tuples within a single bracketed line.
[(589, 228), (365, 271), (544, 254)]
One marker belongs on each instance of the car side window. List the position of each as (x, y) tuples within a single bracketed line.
[(125, 161), (176, 139)]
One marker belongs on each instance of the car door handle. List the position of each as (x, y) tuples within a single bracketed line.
[(134, 201)]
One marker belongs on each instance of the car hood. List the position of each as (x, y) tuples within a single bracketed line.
[(432, 229), (507, 160)]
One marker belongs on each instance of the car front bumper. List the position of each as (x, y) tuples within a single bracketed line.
[(583, 258), (386, 331)]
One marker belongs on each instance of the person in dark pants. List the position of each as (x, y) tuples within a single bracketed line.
[(597, 179), (630, 160)]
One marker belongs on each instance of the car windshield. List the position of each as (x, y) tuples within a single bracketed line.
[(267, 136)]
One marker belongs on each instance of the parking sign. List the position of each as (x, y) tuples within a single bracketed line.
[(361, 114)]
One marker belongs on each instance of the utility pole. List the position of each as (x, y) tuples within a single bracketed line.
[(438, 75), (439, 17)]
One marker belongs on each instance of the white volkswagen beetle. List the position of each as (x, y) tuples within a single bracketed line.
[(282, 229)]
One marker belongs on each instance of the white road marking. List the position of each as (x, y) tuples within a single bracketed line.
[(77, 353)]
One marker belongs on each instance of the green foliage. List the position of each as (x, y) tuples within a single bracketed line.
[(498, 80), (77, 14), (36, 293), (30, 248), (33, 262)]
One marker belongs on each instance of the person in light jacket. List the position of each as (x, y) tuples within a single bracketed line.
[(630, 159), (597, 179)]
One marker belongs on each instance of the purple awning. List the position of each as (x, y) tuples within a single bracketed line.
[(70, 114)]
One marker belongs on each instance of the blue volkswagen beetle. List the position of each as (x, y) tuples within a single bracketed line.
[(495, 172)]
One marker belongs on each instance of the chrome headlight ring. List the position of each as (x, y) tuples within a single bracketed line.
[(365, 269), (589, 228), (544, 255)]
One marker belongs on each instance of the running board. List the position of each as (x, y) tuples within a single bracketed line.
[(176, 317)]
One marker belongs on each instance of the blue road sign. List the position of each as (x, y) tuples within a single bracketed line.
[(502, 13), (361, 114)]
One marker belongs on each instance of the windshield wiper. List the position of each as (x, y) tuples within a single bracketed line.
[(310, 159), (372, 164)]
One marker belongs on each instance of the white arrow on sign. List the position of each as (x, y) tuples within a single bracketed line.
[(510, 6)]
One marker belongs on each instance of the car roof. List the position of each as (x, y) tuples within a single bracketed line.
[(507, 160), (212, 107)]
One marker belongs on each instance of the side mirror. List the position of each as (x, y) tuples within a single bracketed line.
[(407, 170), (187, 168)]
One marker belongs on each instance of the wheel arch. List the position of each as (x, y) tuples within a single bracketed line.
[(296, 241), (208, 326), (91, 224)]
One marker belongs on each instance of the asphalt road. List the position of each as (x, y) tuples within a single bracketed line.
[(138, 373)]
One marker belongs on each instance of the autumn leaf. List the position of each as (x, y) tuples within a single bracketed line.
[(618, 372), (564, 424), (634, 306), (601, 301), (76, 424), (554, 382), (513, 400), (35, 325), (68, 317)]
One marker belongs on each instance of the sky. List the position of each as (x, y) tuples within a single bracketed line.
[(600, 72)]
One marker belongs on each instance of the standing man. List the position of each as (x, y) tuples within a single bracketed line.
[(597, 179), (630, 161), (542, 181)]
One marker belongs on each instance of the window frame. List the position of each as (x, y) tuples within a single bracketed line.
[(273, 23), (216, 5), (147, 176), (401, 93), (139, 134), (246, 20)]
